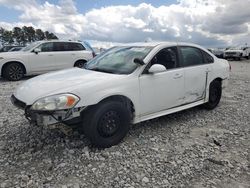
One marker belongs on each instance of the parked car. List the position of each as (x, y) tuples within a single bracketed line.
[(7, 48), (218, 52), (43, 56), (15, 49), (237, 53), (126, 84)]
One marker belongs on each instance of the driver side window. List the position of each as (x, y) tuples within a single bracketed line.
[(168, 57), (46, 47)]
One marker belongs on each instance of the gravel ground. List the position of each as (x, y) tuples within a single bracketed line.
[(193, 148)]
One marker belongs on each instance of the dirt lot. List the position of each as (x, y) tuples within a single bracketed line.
[(193, 148)]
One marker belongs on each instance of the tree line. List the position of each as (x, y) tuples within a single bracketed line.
[(24, 35)]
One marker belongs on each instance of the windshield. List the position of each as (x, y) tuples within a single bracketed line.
[(29, 47), (118, 60)]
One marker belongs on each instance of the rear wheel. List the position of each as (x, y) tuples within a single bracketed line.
[(80, 63), (106, 124), (215, 91), (13, 72)]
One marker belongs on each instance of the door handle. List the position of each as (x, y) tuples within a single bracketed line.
[(73, 54), (50, 55), (176, 76)]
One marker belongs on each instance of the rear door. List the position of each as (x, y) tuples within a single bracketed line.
[(197, 70), (67, 53)]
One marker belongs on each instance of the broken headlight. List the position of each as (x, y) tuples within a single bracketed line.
[(56, 102)]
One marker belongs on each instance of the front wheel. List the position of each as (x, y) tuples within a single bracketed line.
[(215, 91), (13, 72), (106, 124)]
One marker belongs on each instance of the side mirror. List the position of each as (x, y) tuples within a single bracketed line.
[(157, 68), (139, 61), (37, 50)]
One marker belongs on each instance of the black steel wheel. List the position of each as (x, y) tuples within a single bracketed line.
[(215, 91), (14, 72), (106, 124)]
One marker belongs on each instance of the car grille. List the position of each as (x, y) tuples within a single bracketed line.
[(17, 102)]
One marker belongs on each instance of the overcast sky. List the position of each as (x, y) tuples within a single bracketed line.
[(205, 22)]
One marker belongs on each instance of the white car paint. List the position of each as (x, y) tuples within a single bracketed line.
[(43, 62), (152, 95)]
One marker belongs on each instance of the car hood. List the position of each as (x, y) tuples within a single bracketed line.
[(65, 81)]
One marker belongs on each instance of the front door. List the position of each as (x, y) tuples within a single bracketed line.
[(162, 91), (42, 61)]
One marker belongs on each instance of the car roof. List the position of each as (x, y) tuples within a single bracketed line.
[(154, 44), (59, 41)]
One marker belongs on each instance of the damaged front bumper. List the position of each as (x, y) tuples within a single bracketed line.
[(48, 118)]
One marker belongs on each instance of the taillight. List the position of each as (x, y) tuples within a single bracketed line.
[(230, 68)]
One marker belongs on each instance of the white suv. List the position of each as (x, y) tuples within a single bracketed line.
[(43, 56), (126, 84), (237, 53)]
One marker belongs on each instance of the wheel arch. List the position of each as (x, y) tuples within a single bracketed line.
[(9, 62), (217, 79), (128, 103), (80, 60)]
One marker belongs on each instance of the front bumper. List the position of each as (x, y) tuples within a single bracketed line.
[(41, 118)]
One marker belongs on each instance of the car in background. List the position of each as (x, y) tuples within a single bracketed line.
[(237, 53), (15, 49), (218, 52), (43, 56), (126, 84), (9, 47)]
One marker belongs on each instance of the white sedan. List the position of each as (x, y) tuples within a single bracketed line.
[(124, 85)]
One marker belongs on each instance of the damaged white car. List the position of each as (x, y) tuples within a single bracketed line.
[(126, 84)]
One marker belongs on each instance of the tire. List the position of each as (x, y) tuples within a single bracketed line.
[(106, 124), (80, 63), (13, 72), (215, 91)]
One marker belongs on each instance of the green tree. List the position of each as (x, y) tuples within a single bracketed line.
[(1, 34), (39, 35), (7, 37), (17, 35), (24, 35), (31, 34)]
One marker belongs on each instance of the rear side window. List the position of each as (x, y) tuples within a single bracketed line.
[(76, 47), (59, 46), (191, 56), (68, 46), (207, 58)]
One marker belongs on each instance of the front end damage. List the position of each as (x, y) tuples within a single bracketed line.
[(60, 119)]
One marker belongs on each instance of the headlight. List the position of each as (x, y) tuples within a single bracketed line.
[(56, 102)]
